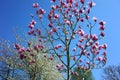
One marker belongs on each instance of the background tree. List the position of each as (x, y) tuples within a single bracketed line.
[(70, 35), (111, 73), (26, 64), (8, 60)]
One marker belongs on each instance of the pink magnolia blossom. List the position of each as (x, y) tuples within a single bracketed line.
[(20, 65), (67, 22), (28, 49), (22, 56), (104, 46), (82, 1), (99, 58), (56, 16), (31, 26), (40, 11), (91, 4), (33, 61), (104, 53), (69, 1), (81, 11), (38, 31), (17, 46), (95, 19), (31, 54), (50, 24), (31, 32), (62, 66), (53, 0), (102, 34), (80, 32), (94, 37), (35, 5), (102, 27), (74, 58), (102, 23), (21, 50), (104, 60), (74, 49), (74, 73), (88, 62), (51, 58), (33, 22)]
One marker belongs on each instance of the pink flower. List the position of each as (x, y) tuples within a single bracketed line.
[(31, 26), (58, 46), (31, 54), (102, 34), (33, 22), (104, 53), (81, 11), (51, 58), (88, 62), (90, 42), (104, 46), (82, 20), (53, 30), (33, 61), (91, 4), (74, 58), (69, 1), (74, 10), (36, 48), (38, 31), (81, 40), (100, 47), (50, 24), (80, 60), (20, 65), (56, 16), (102, 23), (99, 58), (87, 17), (95, 19), (74, 49), (80, 46), (28, 49), (76, 4), (35, 5), (94, 37), (17, 46), (82, 1), (62, 65), (40, 11), (67, 22), (40, 39), (22, 56), (31, 32), (104, 60), (102, 27), (74, 73), (53, 0), (21, 50)]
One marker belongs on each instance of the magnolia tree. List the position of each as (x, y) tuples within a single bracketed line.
[(71, 35)]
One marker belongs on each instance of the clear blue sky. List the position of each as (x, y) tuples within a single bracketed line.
[(16, 13)]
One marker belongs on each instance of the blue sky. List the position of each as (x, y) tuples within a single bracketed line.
[(16, 13)]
